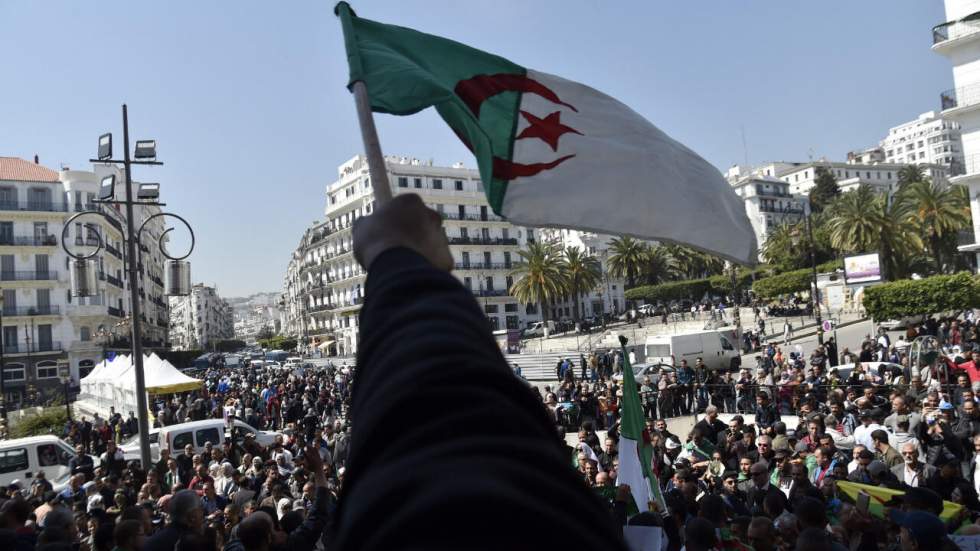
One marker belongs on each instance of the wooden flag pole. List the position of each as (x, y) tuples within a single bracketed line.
[(372, 147)]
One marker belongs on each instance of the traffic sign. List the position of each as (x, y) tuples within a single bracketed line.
[(827, 326)]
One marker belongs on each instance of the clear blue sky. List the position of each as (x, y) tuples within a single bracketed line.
[(247, 98)]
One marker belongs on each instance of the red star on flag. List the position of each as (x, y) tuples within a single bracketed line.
[(548, 129)]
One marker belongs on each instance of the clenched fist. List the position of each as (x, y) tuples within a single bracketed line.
[(404, 221)]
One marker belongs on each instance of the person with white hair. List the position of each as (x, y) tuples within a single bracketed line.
[(225, 484)]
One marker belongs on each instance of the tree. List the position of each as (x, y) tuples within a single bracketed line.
[(787, 247), (660, 266), (628, 259), (865, 221), (229, 345), (936, 212), (825, 190), (910, 174), (583, 272), (541, 274), (931, 295), (694, 264)]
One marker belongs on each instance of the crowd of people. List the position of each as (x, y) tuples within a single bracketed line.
[(768, 478), (234, 495)]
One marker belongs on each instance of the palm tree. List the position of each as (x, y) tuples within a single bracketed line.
[(694, 264), (583, 272), (660, 266), (937, 212), (541, 274), (779, 249), (863, 221), (910, 174), (628, 258)]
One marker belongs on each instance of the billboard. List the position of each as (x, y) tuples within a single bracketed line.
[(862, 268)]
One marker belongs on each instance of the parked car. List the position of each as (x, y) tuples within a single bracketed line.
[(196, 433), (892, 325), (22, 457), (642, 370), (717, 348)]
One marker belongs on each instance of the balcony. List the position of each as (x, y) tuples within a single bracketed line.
[(783, 210), (490, 293), (79, 207), (33, 347), (114, 281), (484, 266), (482, 241), (473, 217), (89, 241), (952, 30), (49, 310), (34, 206), (113, 251), (116, 312), (28, 241), (156, 280), (958, 98), (29, 275)]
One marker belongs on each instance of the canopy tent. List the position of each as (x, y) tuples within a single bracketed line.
[(113, 383)]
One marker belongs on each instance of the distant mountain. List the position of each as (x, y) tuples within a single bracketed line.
[(253, 301)]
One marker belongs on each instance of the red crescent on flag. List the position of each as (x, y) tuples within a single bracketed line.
[(506, 170), (474, 91)]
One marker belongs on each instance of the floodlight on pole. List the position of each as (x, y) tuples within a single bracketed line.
[(148, 192), (145, 149), (108, 189), (105, 146)]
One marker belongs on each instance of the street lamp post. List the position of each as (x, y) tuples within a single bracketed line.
[(3, 371), (65, 381), (815, 292), (177, 272)]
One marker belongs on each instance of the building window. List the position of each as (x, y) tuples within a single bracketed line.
[(47, 370), (436, 184), (402, 181), (491, 308), (418, 183), (85, 334), (13, 372), (510, 307), (84, 368), (468, 283), (459, 185)]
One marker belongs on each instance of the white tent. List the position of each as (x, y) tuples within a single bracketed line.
[(113, 383)]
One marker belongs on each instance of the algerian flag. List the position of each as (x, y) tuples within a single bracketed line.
[(635, 450), (551, 152)]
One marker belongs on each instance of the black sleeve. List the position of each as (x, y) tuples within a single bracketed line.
[(304, 537), (449, 449)]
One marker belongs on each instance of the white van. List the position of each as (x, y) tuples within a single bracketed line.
[(196, 433), (22, 457), (716, 348)]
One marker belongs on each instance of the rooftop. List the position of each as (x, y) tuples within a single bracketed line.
[(19, 170)]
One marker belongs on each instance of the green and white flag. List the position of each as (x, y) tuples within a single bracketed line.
[(551, 152), (635, 451)]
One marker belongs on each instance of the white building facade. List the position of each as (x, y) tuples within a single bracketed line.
[(883, 177), (768, 204), (959, 40), (608, 296), (929, 139), (201, 319), (47, 333), (324, 285)]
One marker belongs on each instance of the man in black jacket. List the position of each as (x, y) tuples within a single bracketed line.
[(448, 447), (186, 517)]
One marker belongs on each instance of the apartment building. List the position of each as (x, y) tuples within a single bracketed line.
[(200, 319), (324, 286)]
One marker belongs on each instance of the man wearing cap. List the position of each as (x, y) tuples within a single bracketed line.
[(919, 530)]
